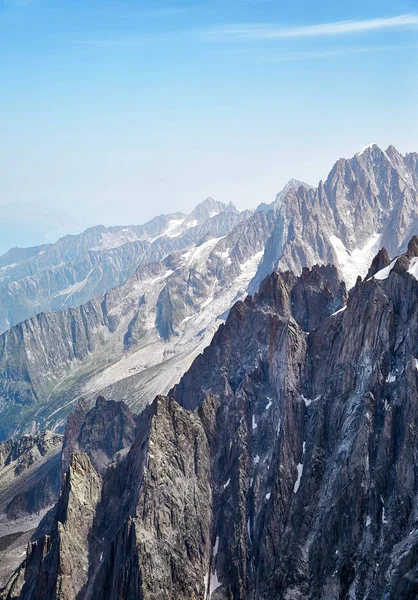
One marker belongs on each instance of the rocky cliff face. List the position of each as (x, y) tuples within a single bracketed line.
[(282, 465), (29, 487), (367, 202)]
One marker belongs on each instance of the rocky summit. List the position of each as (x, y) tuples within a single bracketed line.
[(282, 465)]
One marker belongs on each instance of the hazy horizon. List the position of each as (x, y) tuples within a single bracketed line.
[(114, 112)]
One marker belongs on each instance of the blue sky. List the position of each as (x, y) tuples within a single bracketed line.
[(114, 111)]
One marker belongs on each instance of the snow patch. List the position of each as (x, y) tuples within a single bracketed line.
[(337, 312), (390, 378), (172, 228), (200, 253), (413, 267), (254, 423), (384, 273), (300, 470), (363, 150), (256, 459), (115, 239), (72, 289), (297, 483), (268, 496), (306, 401), (357, 262), (227, 483), (214, 583), (269, 404)]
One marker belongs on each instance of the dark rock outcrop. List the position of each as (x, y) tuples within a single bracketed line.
[(380, 261)]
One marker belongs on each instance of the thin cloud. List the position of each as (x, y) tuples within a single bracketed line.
[(272, 32)]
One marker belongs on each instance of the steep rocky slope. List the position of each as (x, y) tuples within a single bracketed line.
[(282, 465), (29, 486)]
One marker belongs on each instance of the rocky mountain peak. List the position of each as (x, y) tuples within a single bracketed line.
[(380, 261), (291, 185), (89, 431), (210, 208)]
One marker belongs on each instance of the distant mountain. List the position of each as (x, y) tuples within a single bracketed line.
[(78, 267), (283, 464), (291, 185), (367, 202), (140, 336)]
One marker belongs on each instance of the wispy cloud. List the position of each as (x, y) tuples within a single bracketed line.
[(253, 32), (272, 32)]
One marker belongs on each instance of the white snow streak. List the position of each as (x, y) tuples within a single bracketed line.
[(214, 583), (300, 470), (384, 273), (297, 483), (337, 312), (216, 546), (363, 150), (357, 262)]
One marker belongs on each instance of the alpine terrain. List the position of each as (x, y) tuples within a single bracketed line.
[(282, 465), (179, 276)]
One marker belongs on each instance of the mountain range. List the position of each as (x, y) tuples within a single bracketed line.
[(181, 275), (283, 464)]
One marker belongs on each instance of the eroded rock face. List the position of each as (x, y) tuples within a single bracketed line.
[(29, 487), (100, 432), (367, 202), (283, 465)]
